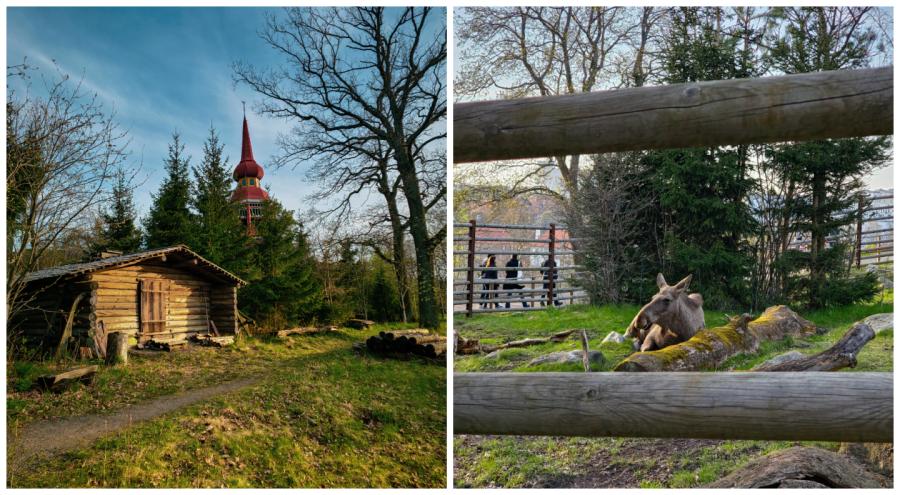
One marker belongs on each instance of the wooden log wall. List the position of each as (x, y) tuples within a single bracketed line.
[(223, 308), (118, 299), (43, 322)]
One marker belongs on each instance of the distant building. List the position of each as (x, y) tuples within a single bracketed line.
[(248, 192)]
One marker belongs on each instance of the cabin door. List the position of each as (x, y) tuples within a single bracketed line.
[(154, 308)]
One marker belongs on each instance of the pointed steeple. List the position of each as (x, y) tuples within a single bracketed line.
[(248, 173), (247, 166)]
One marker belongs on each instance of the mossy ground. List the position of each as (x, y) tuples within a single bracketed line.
[(321, 416), (506, 461)]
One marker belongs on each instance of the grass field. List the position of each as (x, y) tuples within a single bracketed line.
[(504, 461), (320, 416)]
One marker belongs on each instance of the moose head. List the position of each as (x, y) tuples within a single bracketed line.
[(672, 309)]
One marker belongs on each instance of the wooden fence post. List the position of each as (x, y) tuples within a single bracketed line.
[(859, 230), (552, 258), (470, 275)]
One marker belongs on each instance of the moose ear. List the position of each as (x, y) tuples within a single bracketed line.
[(682, 286), (661, 281)]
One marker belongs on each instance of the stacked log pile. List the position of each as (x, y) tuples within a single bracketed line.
[(417, 342)]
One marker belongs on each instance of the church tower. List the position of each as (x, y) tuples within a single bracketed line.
[(248, 174)]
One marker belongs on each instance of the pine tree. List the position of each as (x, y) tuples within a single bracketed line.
[(170, 221), (220, 235), (118, 230), (282, 287)]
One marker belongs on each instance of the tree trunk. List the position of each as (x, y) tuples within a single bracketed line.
[(418, 229), (840, 355), (117, 348), (796, 467), (712, 346)]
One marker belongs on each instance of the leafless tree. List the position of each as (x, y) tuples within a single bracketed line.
[(356, 77), (514, 52), (62, 150)]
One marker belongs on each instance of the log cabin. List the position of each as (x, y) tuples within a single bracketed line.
[(165, 295)]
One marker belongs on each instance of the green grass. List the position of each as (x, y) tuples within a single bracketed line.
[(648, 463), (322, 416)]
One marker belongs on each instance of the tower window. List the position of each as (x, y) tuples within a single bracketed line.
[(243, 182), (252, 182)]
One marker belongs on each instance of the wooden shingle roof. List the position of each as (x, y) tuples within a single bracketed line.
[(131, 259)]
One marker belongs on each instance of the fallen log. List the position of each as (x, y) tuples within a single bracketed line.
[(840, 355), (851, 407), (304, 331), (791, 468), (465, 346), (712, 346), (359, 324), (60, 381)]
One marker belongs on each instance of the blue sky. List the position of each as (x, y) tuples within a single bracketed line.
[(161, 70)]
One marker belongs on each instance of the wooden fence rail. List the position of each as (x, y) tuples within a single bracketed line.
[(839, 407), (867, 245), (817, 105)]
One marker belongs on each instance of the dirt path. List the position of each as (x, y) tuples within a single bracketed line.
[(68, 433)]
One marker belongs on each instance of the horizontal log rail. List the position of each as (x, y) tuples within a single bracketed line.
[(822, 406), (521, 269), (509, 226), (819, 105), (511, 252), (517, 291), (502, 239)]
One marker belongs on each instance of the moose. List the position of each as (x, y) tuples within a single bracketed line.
[(671, 316)]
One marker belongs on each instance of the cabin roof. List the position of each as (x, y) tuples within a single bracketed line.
[(131, 259)]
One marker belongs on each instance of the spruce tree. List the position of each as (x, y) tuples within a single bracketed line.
[(170, 221), (824, 175), (282, 288), (220, 236), (118, 230), (703, 217)]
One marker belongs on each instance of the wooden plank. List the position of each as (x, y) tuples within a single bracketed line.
[(840, 407), (819, 105)]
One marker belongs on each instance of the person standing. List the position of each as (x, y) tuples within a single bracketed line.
[(513, 274), (490, 262), (549, 270)]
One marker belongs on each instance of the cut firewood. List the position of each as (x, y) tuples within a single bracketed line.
[(786, 468), (466, 346), (712, 346), (60, 381), (408, 342), (85, 353), (840, 355)]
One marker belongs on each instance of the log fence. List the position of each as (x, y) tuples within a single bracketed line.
[(870, 244), (851, 407), (543, 288)]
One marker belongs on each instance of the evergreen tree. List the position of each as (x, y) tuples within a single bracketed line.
[(117, 224), (220, 236), (282, 288), (824, 176), (703, 216), (170, 220)]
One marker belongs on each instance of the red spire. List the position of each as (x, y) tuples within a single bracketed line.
[(248, 166), (247, 173)]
